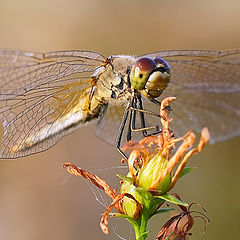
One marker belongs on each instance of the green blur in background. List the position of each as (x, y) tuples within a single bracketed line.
[(39, 200)]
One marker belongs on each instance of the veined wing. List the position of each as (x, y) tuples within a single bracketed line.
[(207, 86), (42, 97), (108, 126)]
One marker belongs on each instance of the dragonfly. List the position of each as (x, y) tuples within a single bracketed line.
[(45, 96)]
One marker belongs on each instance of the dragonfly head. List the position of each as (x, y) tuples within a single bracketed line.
[(150, 76)]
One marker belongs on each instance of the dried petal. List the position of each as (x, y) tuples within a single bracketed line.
[(205, 136), (71, 168), (104, 219)]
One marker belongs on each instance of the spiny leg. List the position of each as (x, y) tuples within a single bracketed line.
[(142, 118), (121, 130), (142, 113), (132, 109)]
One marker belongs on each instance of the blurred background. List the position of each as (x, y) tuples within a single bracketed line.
[(39, 200)]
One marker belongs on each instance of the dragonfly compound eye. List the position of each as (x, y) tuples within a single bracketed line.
[(162, 65), (158, 79), (141, 71)]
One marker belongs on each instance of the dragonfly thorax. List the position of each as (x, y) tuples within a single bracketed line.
[(113, 78)]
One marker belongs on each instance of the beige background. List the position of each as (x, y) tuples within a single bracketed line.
[(39, 200)]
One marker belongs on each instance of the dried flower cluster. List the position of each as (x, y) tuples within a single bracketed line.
[(151, 176)]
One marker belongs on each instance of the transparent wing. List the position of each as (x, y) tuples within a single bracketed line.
[(207, 87), (108, 126), (42, 97), (22, 71)]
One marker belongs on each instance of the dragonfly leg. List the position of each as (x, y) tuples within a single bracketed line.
[(159, 104), (144, 129), (131, 111), (132, 121), (155, 101), (142, 113), (120, 132)]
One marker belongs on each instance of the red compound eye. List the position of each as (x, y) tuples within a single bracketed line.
[(145, 64)]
